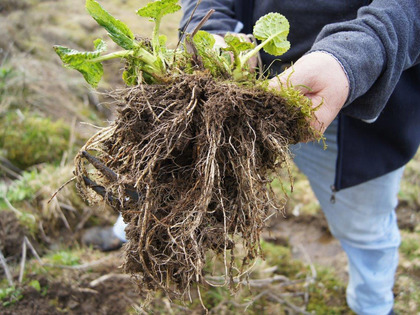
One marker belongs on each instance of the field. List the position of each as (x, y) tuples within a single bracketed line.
[(48, 112)]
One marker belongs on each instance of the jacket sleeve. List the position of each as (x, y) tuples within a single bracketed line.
[(222, 20), (374, 49)]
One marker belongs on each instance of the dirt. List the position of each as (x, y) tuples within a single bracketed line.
[(11, 235), (408, 218), (310, 240), (113, 296)]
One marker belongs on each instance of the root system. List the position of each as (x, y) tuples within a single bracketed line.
[(191, 163)]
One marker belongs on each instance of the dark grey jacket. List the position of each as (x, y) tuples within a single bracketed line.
[(376, 41)]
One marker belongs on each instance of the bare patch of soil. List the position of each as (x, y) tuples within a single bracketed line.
[(309, 236), (11, 235), (408, 218), (113, 296)]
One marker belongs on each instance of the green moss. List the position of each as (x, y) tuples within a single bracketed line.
[(327, 295), (10, 295), (281, 257), (63, 258), (410, 247), (28, 139)]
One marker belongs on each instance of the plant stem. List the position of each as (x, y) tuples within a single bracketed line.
[(117, 54), (155, 38), (253, 52)]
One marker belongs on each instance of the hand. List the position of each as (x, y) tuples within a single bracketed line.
[(327, 82)]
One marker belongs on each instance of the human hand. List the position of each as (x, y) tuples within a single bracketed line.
[(320, 77)]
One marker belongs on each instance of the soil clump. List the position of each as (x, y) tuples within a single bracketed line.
[(188, 165)]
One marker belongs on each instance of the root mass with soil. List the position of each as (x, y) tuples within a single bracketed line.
[(192, 163)]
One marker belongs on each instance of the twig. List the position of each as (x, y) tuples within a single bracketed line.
[(309, 261), (253, 282), (80, 267), (34, 252), (87, 213), (61, 187), (23, 261), (16, 211), (87, 290), (63, 218), (201, 23), (106, 277), (10, 172), (313, 271), (255, 299), (6, 269), (186, 26), (289, 304)]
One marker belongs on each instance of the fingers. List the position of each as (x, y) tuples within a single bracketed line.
[(320, 77)]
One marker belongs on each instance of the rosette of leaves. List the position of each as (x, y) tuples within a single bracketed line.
[(152, 62)]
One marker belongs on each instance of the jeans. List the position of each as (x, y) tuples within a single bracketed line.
[(119, 228), (363, 219)]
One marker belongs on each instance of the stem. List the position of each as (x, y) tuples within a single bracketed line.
[(142, 54), (117, 54), (155, 38), (253, 52)]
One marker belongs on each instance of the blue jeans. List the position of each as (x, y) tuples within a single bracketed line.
[(363, 219)]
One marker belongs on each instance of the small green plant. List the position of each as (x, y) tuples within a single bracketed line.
[(11, 87), (152, 61), (27, 139), (36, 285), (24, 188), (66, 258), (10, 295), (272, 29)]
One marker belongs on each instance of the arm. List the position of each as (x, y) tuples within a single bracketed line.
[(374, 49), (356, 64), (221, 21)]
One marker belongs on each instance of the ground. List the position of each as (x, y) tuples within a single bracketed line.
[(51, 272)]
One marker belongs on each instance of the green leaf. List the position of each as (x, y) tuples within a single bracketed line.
[(35, 284), (212, 60), (157, 9), (236, 44), (273, 29), (204, 40), (117, 30), (80, 61)]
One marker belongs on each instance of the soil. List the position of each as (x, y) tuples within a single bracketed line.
[(408, 218), (310, 240), (113, 296), (11, 235)]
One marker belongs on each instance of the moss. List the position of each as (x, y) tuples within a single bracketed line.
[(410, 247), (327, 295), (28, 139), (407, 295), (281, 257)]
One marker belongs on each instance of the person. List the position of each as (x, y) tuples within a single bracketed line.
[(361, 59)]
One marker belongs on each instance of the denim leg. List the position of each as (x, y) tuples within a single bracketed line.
[(363, 219), (119, 228)]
